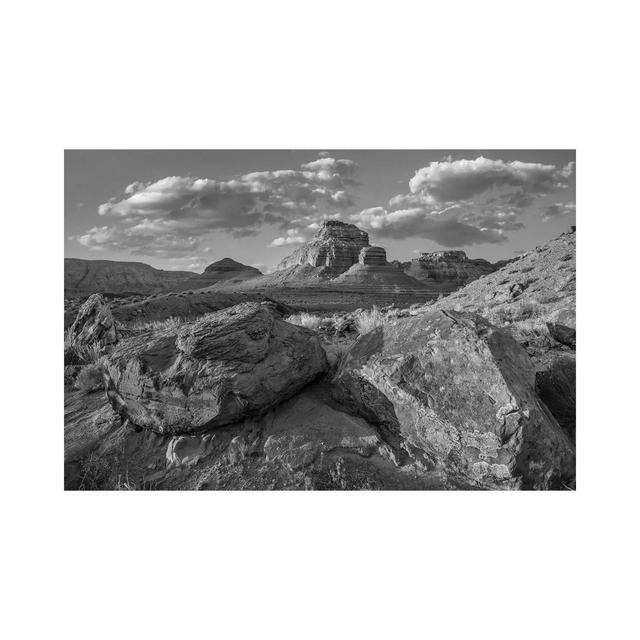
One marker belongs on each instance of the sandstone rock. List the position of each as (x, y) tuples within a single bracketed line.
[(452, 267), (464, 392), (94, 324), (556, 386), (335, 247), (188, 450), (373, 256), (214, 371), (225, 271), (562, 326)]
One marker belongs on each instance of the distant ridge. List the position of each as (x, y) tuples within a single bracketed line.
[(227, 271), (84, 277)]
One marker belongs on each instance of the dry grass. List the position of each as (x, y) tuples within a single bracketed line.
[(369, 320), (90, 377), (156, 325), (307, 320)]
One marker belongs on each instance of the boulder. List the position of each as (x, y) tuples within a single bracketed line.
[(556, 386), (463, 391), (94, 324), (562, 326), (241, 361)]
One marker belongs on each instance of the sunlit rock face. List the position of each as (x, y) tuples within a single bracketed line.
[(335, 247), (447, 266)]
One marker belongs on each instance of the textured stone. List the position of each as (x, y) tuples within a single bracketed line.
[(447, 266), (373, 256), (240, 361), (94, 324), (225, 271), (335, 247), (464, 392)]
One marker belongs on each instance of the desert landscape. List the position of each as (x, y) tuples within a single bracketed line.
[(338, 371)]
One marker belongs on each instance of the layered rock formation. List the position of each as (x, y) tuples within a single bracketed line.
[(335, 247), (372, 273), (84, 277), (94, 324), (226, 271), (463, 392), (451, 267), (237, 362)]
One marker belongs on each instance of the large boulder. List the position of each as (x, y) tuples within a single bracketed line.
[(463, 391), (556, 386), (94, 324), (562, 326), (214, 371)]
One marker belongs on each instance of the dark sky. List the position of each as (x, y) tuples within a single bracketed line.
[(186, 209)]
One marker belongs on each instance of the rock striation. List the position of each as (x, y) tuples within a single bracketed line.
[(373, 274), (452, 267), (464, 392), (373, 256), (94, 324), (241, 361), (335, 247)]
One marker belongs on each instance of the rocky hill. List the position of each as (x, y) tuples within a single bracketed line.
[(452, 268), (335, 247), (373, 273), (533, 298), (225, 271), (84, 277)]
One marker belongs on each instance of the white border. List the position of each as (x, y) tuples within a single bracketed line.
[(329, 75)]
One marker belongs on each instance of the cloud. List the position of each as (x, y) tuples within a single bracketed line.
[(463, 179), (464, 202), (558, 210), (293, 236), (170, 216)]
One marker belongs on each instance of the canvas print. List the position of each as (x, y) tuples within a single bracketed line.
[(320, 319)]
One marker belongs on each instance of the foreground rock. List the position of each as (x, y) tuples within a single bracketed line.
[(234, 363), (94, 324), (463, 391), (307, 442)]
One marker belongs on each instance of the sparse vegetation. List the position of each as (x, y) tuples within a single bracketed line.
[(369, 320), (90, 377), (307, 320), (156, 325)]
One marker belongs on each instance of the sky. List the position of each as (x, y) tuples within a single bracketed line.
[(177, 209)]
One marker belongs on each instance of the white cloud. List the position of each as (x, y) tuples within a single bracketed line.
[(558, 210), (172, 215), (465, 202), (292, 236)]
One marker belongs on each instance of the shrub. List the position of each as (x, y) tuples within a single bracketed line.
[(90, 377), (307, 320), (157, 325), (369, 320)]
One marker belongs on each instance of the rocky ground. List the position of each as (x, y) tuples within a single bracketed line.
[(472, 391)]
